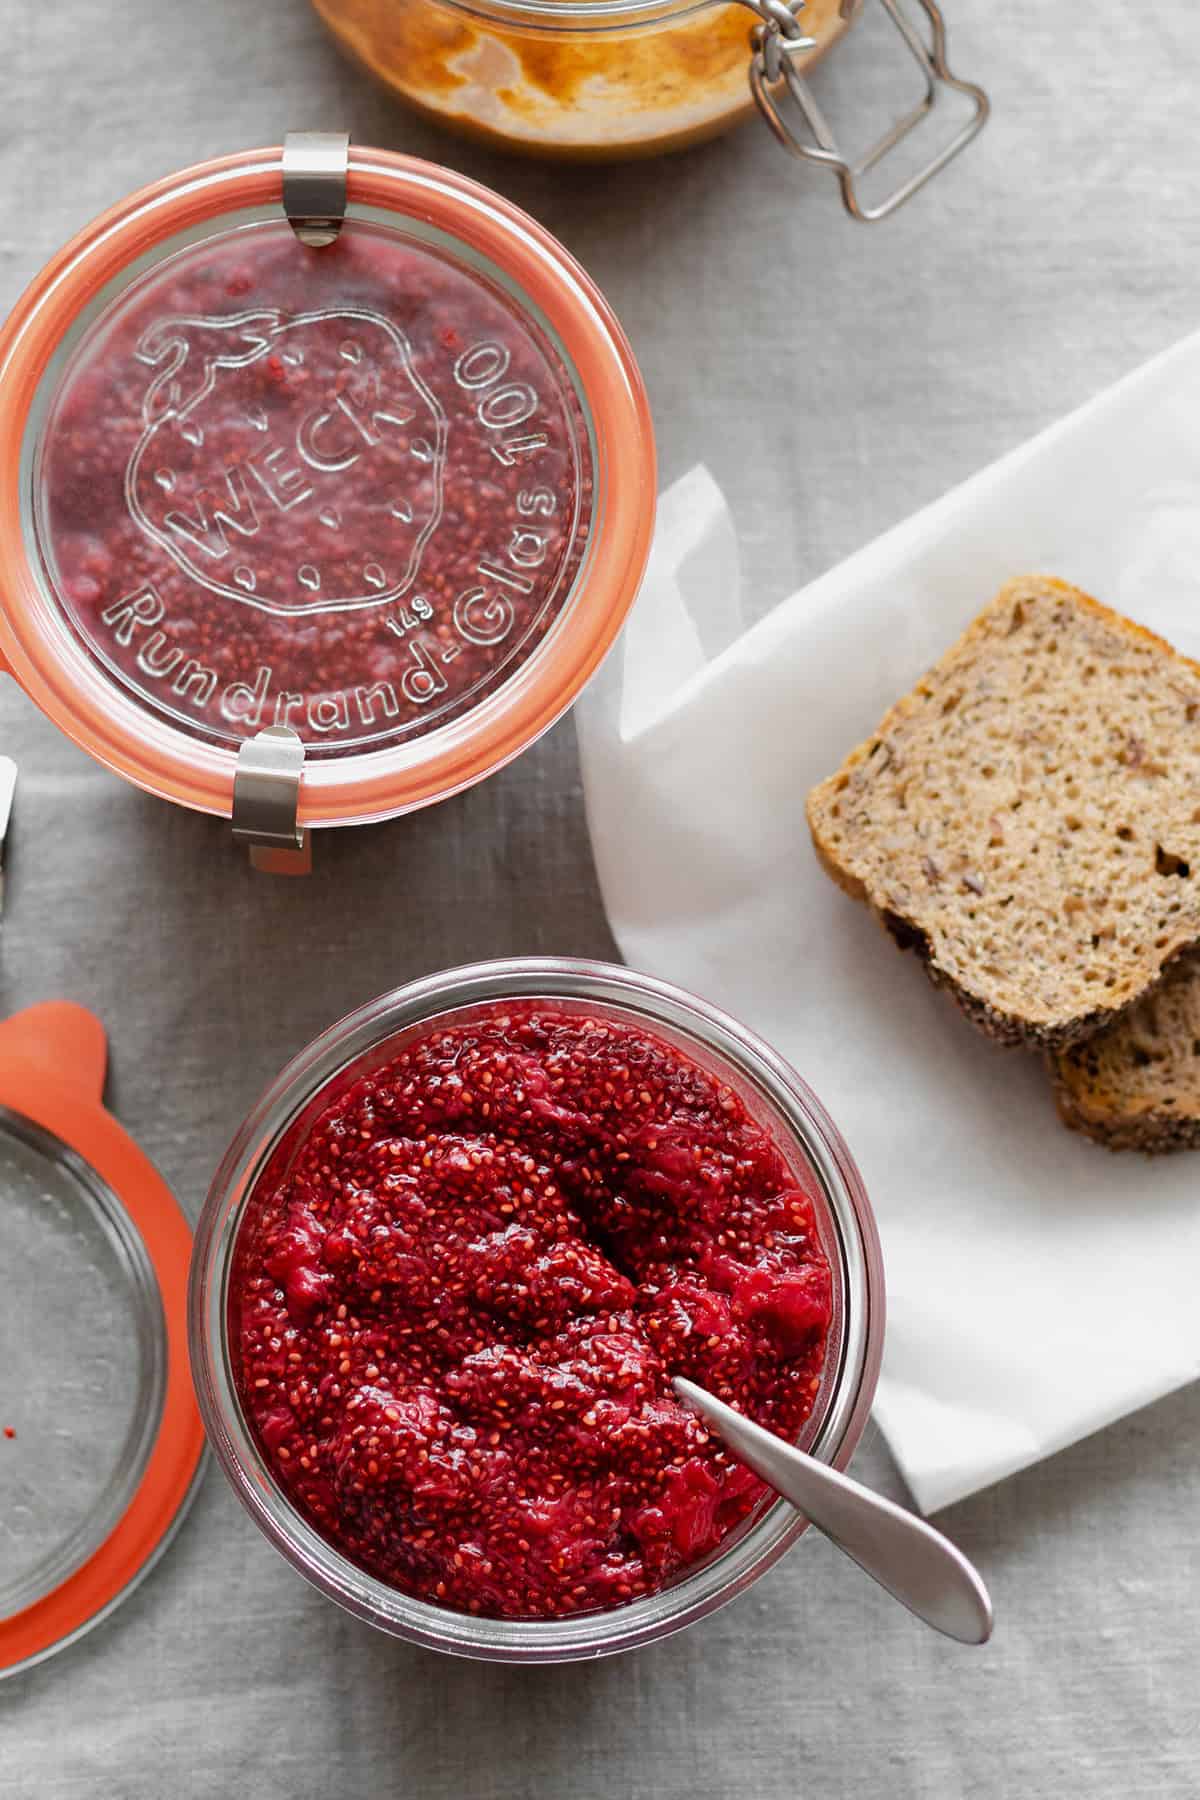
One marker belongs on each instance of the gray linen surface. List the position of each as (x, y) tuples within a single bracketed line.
[(834, 379)]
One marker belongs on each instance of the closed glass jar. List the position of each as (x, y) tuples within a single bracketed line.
[(591, 79), (610, 79), (771, 1093), (388, 493)]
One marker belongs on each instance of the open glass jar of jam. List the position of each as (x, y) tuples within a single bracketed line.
[(447, 1269), (330, 481), (619, 78)]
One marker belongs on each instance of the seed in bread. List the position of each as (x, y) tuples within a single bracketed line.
[(1028, 817), (1136, 1085)]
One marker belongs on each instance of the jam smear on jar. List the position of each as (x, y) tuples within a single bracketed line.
[(456, 1318)]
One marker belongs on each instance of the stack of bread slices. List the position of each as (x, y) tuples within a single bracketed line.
[(1028, 820)]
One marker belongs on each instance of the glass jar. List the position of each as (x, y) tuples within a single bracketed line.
[(620, 78), (771, 1091), (330, 480)]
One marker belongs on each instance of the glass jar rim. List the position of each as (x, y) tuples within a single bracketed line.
[(38, 646), (366, 1030), (593, 15)]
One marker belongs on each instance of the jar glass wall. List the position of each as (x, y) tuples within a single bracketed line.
[(770, 1091), (594, 79)]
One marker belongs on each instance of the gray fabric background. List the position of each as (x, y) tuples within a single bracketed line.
[(834, 378)]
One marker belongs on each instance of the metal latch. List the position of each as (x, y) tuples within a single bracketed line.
[(315, 166), (782, 94), (266, 802)]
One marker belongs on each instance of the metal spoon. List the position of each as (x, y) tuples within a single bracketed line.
[(915, 1563)]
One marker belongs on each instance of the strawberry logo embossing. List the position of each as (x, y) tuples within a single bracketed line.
[(294, 464)]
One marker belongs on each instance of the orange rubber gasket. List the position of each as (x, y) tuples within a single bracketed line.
[(52, 1066)]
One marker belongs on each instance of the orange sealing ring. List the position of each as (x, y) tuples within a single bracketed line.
[(52, 1066)]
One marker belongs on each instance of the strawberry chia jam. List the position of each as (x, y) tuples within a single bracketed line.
[(346, 490), (455, 1320)]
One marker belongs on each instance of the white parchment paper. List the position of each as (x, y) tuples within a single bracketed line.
[(1038, 1287)]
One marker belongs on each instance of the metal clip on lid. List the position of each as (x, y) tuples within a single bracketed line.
[(266, 802), (774, 76), (315, 165)]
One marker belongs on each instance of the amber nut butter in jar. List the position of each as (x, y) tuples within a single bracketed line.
[(618, 78), (329, 480)]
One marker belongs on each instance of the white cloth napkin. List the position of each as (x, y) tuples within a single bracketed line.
[(1038, 1287)]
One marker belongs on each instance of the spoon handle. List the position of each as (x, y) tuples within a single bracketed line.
[(916, 1564)]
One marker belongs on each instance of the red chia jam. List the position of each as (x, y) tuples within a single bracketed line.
[(455, 1321), (346, 490)]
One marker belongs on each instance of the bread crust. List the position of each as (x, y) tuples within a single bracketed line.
[(1155, 1131), (1003, 1028)]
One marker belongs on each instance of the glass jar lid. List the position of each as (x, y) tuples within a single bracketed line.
[(100, 1440), (393, 493)]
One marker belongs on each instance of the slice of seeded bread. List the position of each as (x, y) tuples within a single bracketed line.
[(1136, 1085), (1028, 817)]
